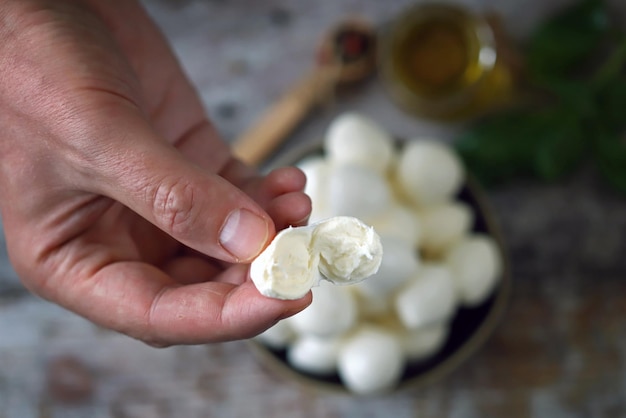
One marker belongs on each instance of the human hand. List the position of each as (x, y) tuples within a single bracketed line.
[(118, 199)]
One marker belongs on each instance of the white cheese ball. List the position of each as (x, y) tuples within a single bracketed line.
[(287, 268), (429, 172), (314, 355), (372, 305), (430, 297), (476, 266), (279, 336), (443, 225), (422, 343), (400, 262), (357, 191), (371, 361), (317, 171), (399, 221), (332, 312), (343, 249), (349, 250), (354, 139)]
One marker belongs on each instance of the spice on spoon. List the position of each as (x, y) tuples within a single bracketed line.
[(345, 57)]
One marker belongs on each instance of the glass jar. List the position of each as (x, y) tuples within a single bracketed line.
[(440, 61)]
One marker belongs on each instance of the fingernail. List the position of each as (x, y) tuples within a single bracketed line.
[(244, 234)]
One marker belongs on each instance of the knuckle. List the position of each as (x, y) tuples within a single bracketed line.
[(173, 207), (149, 332)]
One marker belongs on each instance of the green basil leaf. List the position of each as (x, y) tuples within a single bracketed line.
[(501, 146), (573, 95), (613, 66), (562, 145), (611, 102), (610, 157), (562, 42)]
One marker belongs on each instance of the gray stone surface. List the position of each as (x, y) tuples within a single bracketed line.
[(8, 278)]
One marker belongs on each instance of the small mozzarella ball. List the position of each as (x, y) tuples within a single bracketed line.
[(398, 221), (317, 171), (422, 343), (397, 190), (400, 262), (333, 311), (314, 355), (371, 361), (279, 336), (429, 172), (443, 225), (357, 191), (476, 265), (354, 139), (371, 305), (430, 297)]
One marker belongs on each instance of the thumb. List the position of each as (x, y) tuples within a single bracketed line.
[(196, 207)]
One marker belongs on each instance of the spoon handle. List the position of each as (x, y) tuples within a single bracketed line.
[(280, 119)]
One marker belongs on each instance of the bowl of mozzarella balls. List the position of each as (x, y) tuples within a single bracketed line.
[(442, 283)]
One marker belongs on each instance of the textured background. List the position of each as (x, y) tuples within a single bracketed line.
[(559, 352)]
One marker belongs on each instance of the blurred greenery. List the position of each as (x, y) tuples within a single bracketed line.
[(575, 67), (562, 43)]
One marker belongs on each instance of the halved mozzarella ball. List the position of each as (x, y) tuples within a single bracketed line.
[(342, 250), (349, 250)]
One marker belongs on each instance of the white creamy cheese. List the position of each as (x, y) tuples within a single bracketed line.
[(434, 262), (430, 297), (349, 250), (341, 249), (429, 171), (317, 171), (279, 336), (421, 343), (355, 139), (332, 312), (398, 265), (398, 221), (371, 360), (358, 191), (476, 264), (443, 225), (314, 355)]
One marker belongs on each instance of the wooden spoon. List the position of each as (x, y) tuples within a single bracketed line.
[(346, 55)]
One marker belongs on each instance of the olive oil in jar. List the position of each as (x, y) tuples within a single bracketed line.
[(440, 61)]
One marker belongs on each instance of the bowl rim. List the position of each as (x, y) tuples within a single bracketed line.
[(466, 350)]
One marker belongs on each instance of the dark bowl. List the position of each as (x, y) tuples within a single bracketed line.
[(470, 327)]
